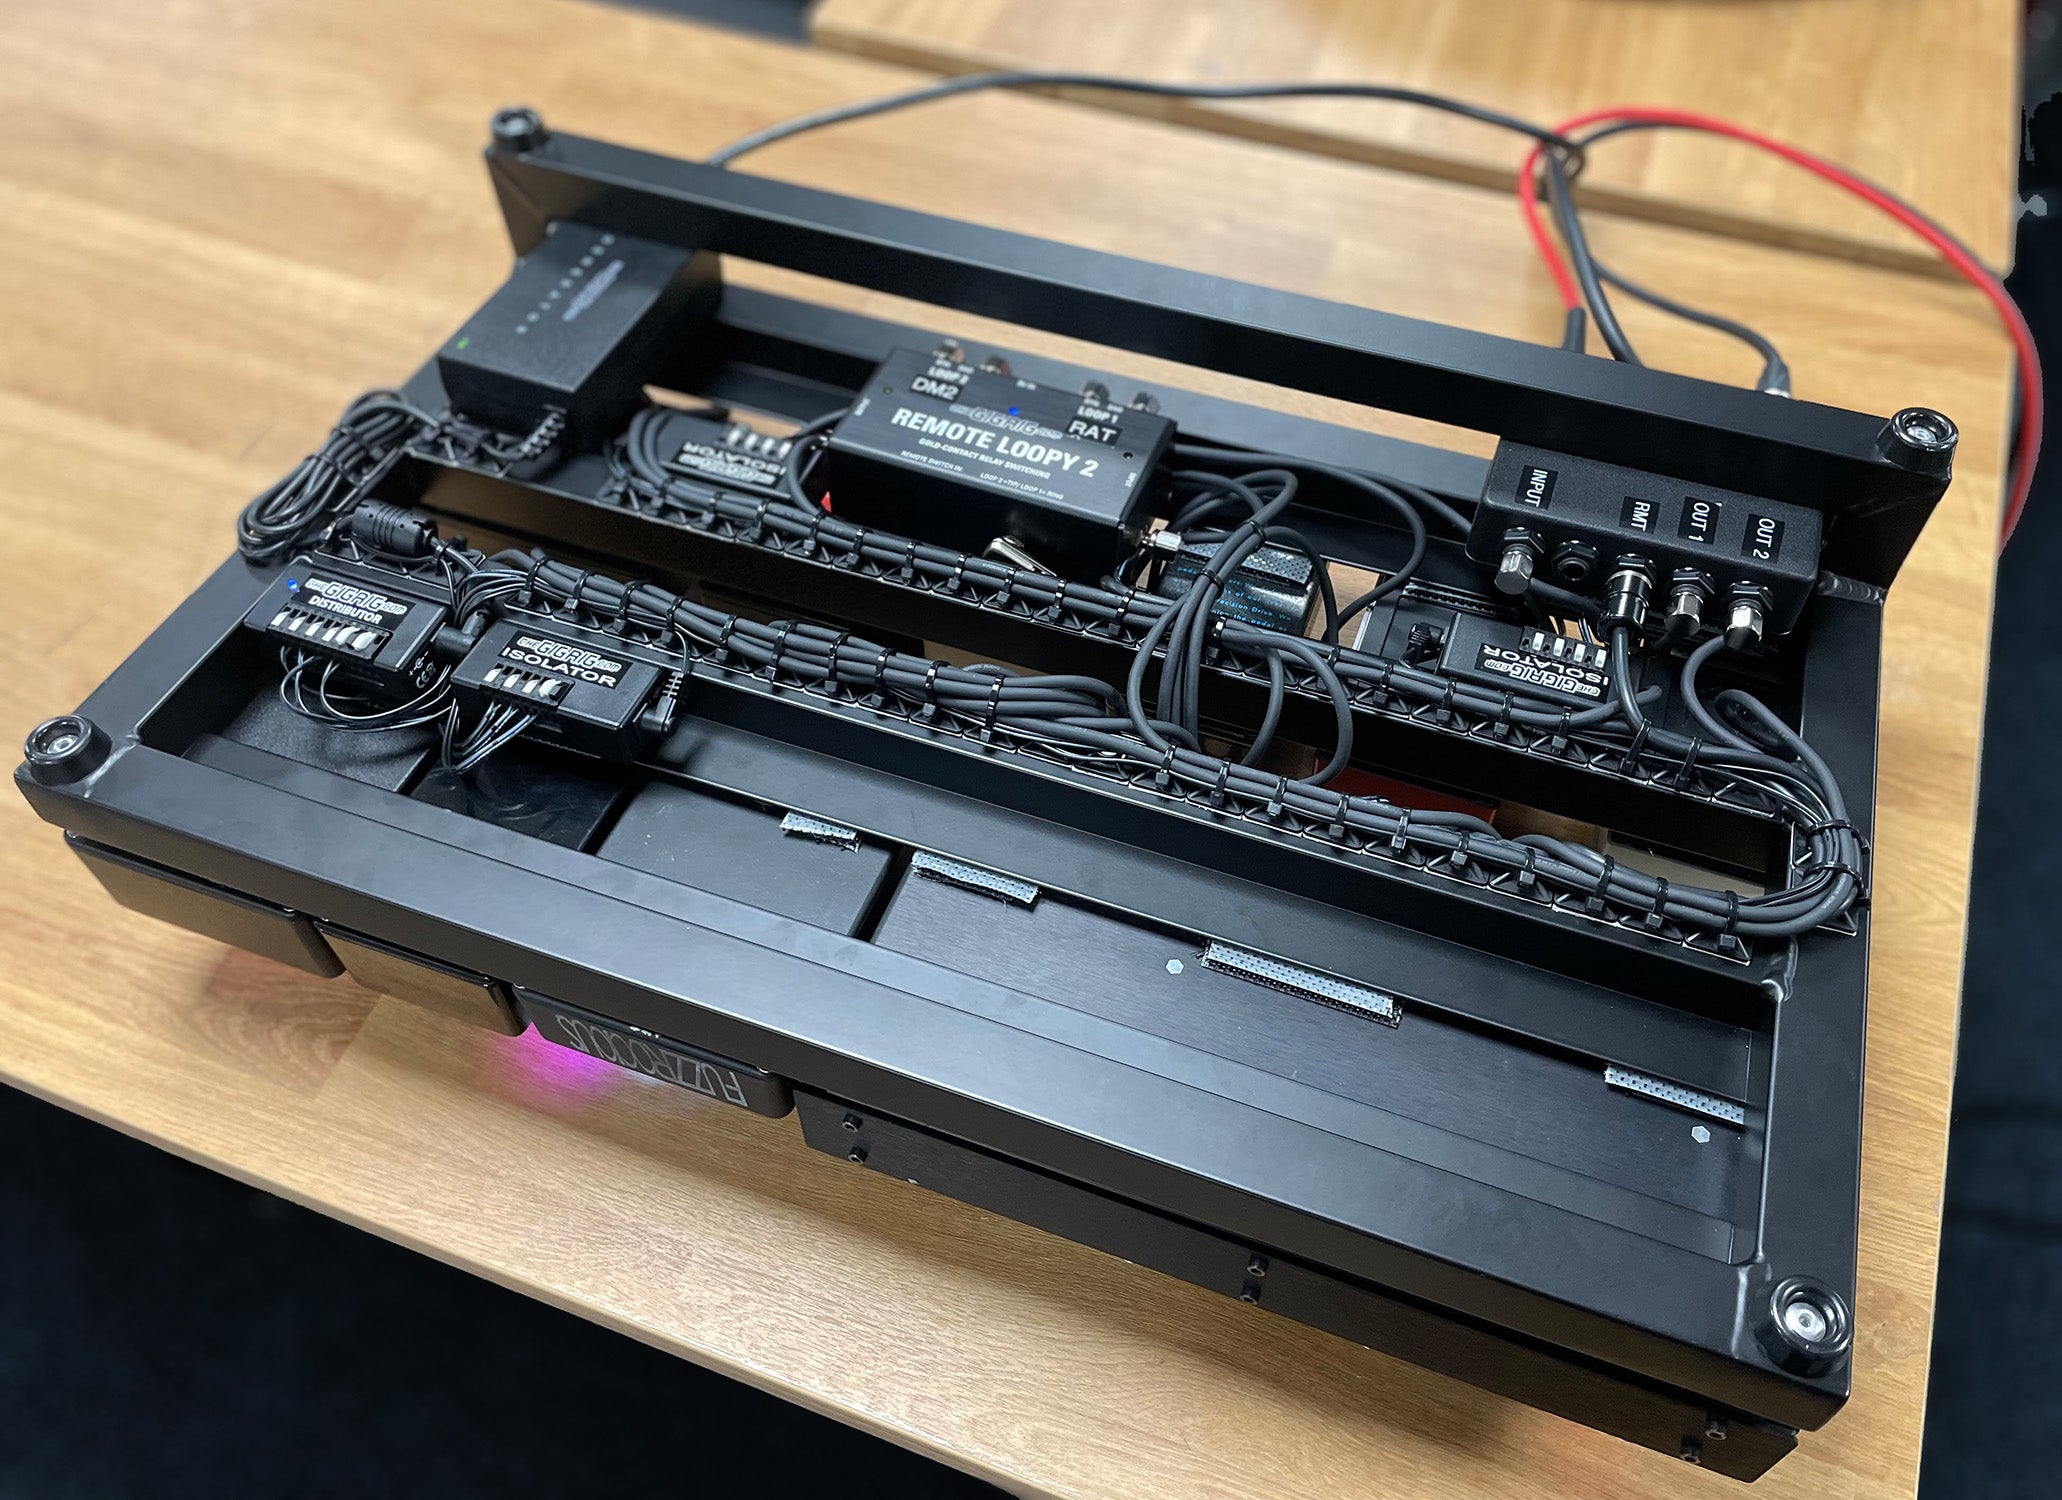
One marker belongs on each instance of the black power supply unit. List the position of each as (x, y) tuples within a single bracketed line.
[(577, 329), (963, 454)]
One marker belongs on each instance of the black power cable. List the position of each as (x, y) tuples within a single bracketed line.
[(968, 83), (1592, 274), (1563, 162), (366, 442)]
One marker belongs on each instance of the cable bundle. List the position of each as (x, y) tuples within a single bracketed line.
[(365, 444), (1125, 611), (1085, 722)]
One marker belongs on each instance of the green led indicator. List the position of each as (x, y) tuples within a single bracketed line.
[(464, 341)]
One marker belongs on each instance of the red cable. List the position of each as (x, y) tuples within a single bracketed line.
[(2027, 450)]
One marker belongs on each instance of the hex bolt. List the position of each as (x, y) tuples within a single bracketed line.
[(518, 128), (65, 749)]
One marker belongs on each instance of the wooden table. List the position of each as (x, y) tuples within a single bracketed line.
[(1921, 95), (229, 217)]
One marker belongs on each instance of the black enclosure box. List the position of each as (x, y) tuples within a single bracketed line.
[(959, 455), (1586, 515), (576, 329)]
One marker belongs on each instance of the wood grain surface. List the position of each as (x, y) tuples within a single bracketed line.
[(231, 215), (1921, 95)]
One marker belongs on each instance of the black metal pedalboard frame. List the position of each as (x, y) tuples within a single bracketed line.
[(1462, 1189)]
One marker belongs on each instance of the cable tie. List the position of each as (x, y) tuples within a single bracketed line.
[(928, 708), (1123, 621), (1658, 915), (1689, 765), (813, 543), (579, 594), (780, 648), (1528, 877), (1596, 901), (907, 569), (1223, 780), (1399, 841), (880, 671), (1058, 607), (994, 704), (1446, 703), (1503, 718), (1278, 797), (1731, 930), (1459, 858), (723, 636), (673, 623), (538, 562), (830, 674), (1559, 742), (855, 550), (959, 575), (1631, 763), (1164, 777), (630, 588)]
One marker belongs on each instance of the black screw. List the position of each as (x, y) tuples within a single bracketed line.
[(1920, 439), (519, 128), (1924, 429), (65, 749), (1714, 1429), (1257, 1266), (857, 1153), (851, 1122), (1693, 1451), (1805, 1327), (1249, 1296)]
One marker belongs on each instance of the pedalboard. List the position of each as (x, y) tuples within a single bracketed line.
[(1348, 1048)]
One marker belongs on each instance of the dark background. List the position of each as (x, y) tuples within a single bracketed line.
[(157, 1336)]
